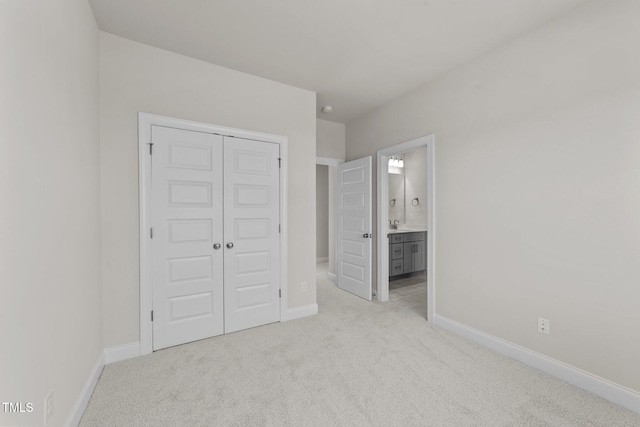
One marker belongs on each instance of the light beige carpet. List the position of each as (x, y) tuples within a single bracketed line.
[(356, 363)]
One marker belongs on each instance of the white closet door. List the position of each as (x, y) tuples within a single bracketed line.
[(251, 230), (187, 222), (354, 227)]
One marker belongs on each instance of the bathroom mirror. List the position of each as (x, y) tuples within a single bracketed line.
[(396, 199)]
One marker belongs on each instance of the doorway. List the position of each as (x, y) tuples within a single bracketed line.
[(382, 209), (326, 231), (322, 214), (407, 231)]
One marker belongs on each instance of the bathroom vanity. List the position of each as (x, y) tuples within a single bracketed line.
[(407, 252)]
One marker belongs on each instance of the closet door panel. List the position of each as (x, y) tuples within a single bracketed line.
[(186, 194), (251, 230)]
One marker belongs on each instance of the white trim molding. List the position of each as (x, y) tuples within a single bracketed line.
[(145, 121), (322, 260), (109, 355), (608, 390), (85, 395), (332, 277), (328, 161), (303, 311), (121, 352)]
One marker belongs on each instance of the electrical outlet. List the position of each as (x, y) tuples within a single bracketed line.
[(304, 286), (48, 407), (543, 325)]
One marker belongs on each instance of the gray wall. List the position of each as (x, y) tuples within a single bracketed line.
[(330, 137), (330, 143), (537, 201), (50, 299), (135, 77), (415, 171)]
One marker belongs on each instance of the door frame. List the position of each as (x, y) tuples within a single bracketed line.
[(145, 121), (330, 161), (382, 241)]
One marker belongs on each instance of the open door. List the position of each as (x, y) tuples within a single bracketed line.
[(353, 270)]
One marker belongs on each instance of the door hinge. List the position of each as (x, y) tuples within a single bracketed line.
[(280, 292), (279, 162), (279, 228), (151, 148), (152, 315), (151, 232)]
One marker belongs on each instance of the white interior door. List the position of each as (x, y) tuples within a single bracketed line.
[(251, 230), (354, 227), (186, 216)]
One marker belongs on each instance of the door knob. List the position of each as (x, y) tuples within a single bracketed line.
[(217, 246), (365, 235), (229, 245)]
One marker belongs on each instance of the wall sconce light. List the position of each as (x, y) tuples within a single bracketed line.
[(396, 162)]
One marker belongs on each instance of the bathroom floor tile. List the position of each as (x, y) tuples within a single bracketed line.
[(410, 293), (420, 309)]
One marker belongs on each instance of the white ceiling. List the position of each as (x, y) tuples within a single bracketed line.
[(356, 54)]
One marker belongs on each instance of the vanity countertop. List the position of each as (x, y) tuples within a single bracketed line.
[(404, 230)]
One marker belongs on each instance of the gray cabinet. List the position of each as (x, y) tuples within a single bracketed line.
[(407, 253), (414, 259), (396, 251), (396, 267), (396, 238)]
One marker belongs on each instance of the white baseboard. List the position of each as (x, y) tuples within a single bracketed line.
[(606, 389), (332, 277), (304, 311), (322, 260), (83, 399), (121, 352), (110, 355)]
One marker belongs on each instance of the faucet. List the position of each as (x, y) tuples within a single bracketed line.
[(393, 226)]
